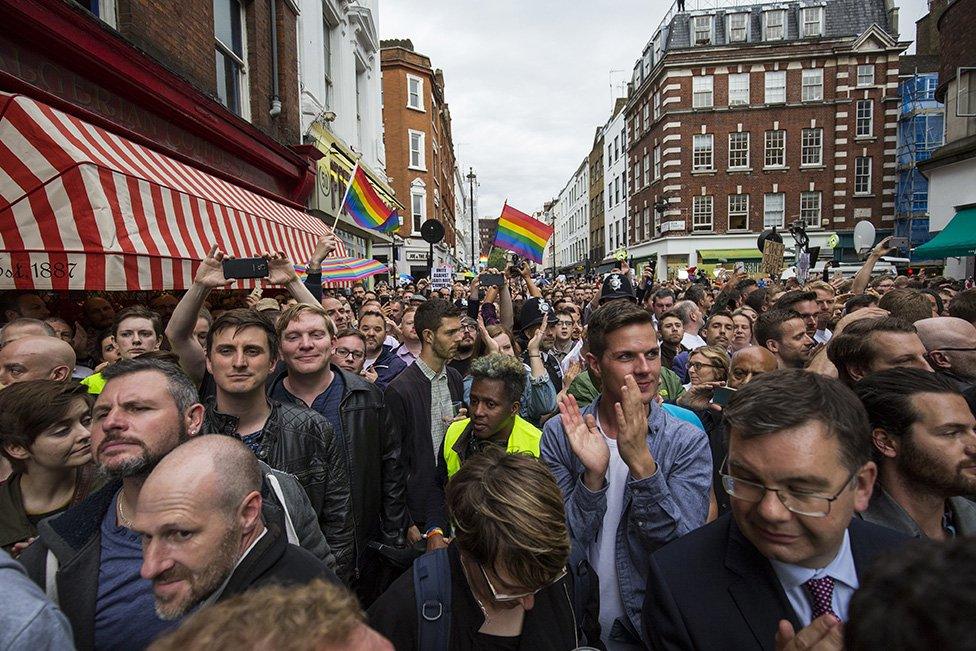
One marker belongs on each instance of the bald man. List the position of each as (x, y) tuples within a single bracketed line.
[(950, 344), (204, 538), (36, 358), (24, 327), (749, 363)]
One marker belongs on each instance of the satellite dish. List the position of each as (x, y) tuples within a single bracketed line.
[(432, 231), (863, 236)]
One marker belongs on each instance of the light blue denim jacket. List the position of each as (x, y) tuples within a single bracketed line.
[(658, 509)]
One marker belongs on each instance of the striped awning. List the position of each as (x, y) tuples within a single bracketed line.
[(83, 208)]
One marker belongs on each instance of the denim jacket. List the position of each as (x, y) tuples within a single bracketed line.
[(658, 509)]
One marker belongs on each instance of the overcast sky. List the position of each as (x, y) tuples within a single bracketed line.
[(529, 81)]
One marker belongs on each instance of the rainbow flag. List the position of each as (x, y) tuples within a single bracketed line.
[(364, 205), (519, 233), (347, 269)]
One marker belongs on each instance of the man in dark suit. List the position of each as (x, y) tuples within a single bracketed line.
[(779, 571)]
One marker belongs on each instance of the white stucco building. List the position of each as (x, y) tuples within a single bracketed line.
[(615, 198), (571, 215)]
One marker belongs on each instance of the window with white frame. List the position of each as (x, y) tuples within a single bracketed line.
[(865, 75), (418, 208), (329, 41), (701, 91), (657, 162), (702, 213), (774, 25), (738, 31), (810, 208), (864, 123), (647, 170), (811, 147), (646, 112), (775, 86), (646, 230), (738, 212), (702, 30), (616, 189), (811, 20), (703, 149), (812, 85), (739, 150), (418, 158), (775, 149), (415, 92), (230, 56), (774, 209), (862, 175), (657, 105), (739, 89)]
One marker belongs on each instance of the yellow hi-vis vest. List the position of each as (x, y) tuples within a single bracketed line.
[(525, 438)]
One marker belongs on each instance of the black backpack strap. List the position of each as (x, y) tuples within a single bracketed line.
[(432, 586)]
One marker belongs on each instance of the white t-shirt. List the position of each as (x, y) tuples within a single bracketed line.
[(603, 550)]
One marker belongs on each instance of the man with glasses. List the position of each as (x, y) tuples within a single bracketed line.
[(779, 571), (950, 344), (350, 352), (465, 349), (561, 329)]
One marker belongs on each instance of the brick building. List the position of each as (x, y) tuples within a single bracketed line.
[(754, 115), (486, 234), (419, 151)]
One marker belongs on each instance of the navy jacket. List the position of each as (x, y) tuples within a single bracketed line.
[(712, 589)]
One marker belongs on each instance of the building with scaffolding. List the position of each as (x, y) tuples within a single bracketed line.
[(921, 127)]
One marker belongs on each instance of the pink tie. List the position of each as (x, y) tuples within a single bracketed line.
[(821, 593)]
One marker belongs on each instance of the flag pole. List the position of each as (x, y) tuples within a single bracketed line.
[(345, 195)]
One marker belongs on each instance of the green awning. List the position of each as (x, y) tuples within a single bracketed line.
[(730, 255), (956, 240)]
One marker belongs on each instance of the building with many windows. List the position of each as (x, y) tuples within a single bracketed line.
[(595, 161), (747, 116), (616, 197), (419, 152), (571, 220)]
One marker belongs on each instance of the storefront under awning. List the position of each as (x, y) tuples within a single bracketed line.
[(83, 208), (956, 240), (729, 255)]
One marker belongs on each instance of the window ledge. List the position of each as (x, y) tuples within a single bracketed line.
[(740, 170), (738, 230), (865, 138), (418, 110), (711, 172), (858, 195), (776, 168), (813, 167), (416, 169)]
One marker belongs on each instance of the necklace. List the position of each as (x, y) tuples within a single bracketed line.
[(126, 522)]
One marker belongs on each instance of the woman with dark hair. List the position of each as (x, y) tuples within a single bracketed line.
[(50, 451)]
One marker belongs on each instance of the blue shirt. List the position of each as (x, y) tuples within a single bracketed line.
[(125, 612), (686, 415), (841, 570), (326, 403)]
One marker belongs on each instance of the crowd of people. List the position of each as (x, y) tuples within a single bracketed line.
[(619, 462)]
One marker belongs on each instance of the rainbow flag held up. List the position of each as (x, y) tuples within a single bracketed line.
[(347, 269), (364, 205), (519, 233)]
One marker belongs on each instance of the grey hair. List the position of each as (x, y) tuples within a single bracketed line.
[(684, 310), (506, 368), (180, 387)]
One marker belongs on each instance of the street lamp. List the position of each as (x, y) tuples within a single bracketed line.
[(471, 179)]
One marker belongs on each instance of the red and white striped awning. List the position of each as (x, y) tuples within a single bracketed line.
[(83, 208)]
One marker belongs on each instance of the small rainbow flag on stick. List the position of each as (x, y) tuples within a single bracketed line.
[(364, 205), (519, 233)]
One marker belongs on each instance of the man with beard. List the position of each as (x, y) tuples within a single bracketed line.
[(671, 331), (89, 558), (659, 303), (242, 352), (204, 539), (421, 401), (380, 357), (825, 308), (465, 350), (718, 332), (924, 442), (784, 334)]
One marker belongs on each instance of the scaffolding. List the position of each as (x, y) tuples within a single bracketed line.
[(921, 130)]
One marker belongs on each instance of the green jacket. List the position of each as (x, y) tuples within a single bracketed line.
[(585, 387), (525, 437)]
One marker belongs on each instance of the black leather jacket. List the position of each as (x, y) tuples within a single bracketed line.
[(373, 455), (301, 442)]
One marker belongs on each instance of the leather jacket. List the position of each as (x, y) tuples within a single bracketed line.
[(301, 442), (372, 452)]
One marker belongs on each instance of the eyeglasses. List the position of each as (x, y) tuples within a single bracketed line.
[(700, 365), (812, 505), (345, 352), (468, 327), (512, 597)]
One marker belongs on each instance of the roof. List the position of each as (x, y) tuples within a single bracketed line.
[(842, 18)]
